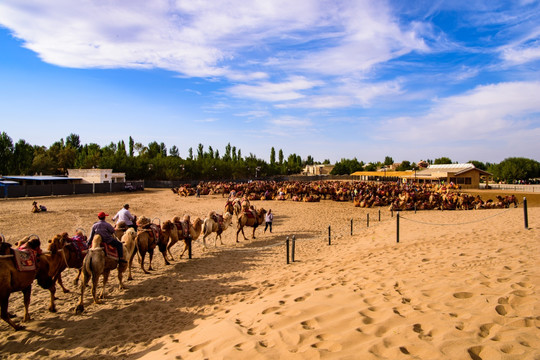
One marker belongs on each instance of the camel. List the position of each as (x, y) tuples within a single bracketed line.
[(62, 254), (212, 224), (71, 256), (184, 228), (120, 229), (148, 236), (233, 206), (95, 264), (254, 221), (13, 280)]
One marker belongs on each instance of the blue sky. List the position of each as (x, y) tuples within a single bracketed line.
[(413, 80)]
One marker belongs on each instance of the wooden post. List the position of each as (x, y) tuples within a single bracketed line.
[(379, 214), (329, 237), (397, 224), (293, 245), (287, 245), (368, 220), (525, 215), (351, 227)]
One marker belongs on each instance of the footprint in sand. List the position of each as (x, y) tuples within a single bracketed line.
[(320, 288), (327, 345), (243, 346), (266, 344), (302, 298), (474, 352), (381, 331), (463, 295), (501, 310), (270, 309), (309, 324), (521, 293), (484, 330), (198, 347)]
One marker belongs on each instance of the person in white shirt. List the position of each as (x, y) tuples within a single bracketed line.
[(125, 216), (269, 217)]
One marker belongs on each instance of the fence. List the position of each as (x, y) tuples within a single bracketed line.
[(514, 187), (15, 191)]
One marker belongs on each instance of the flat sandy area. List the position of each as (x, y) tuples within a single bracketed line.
[(458, 285)]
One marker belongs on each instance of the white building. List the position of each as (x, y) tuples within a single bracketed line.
[(97, 175), (311, 170)]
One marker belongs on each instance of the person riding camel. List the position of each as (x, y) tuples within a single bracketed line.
[(106, 231), (125, 215)]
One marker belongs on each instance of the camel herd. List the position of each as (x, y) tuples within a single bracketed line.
[(394, 195), (98, 261)]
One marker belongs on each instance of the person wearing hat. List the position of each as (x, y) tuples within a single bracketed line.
[(125, 216), (106, 231)]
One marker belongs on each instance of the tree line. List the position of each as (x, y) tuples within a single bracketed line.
[(155, 162), (149, 162)]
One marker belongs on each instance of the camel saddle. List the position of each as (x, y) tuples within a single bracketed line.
[(250, 213), (110, 251), (79, 244), (25, 260), (153, 229), (183, 226), (219, 220)]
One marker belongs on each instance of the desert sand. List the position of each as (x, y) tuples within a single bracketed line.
[(458, 285)]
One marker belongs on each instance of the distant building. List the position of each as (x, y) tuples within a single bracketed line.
[(312, 170), (89, 176), (466, 176)]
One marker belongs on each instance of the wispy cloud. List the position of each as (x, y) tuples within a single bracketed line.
[(268, 91), (484, 113)]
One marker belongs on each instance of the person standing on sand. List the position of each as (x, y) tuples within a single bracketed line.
[(269, 217)]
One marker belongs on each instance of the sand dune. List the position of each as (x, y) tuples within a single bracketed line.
[(458, 285)]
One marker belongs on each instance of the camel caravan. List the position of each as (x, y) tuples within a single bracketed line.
[(94, 258), (393, 195)]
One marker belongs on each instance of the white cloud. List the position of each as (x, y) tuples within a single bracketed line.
[(200, 38), (486, 114), (254, 114), (291, 122), (349, 93), (517, 55), (268, 91)]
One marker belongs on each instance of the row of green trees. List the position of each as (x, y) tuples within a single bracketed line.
[(150, 162), (155, 162)]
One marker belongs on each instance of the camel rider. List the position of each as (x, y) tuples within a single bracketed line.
[(125, 215), (106, 231), (245, 203)]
